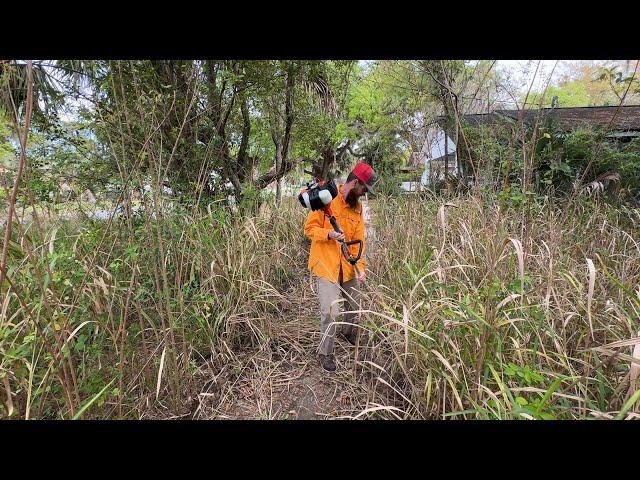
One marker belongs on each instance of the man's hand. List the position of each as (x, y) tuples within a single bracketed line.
[(361, 276), (333, 235)]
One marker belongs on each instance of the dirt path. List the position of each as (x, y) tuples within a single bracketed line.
[(283, 379)]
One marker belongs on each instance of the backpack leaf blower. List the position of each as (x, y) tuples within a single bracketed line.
[(318, 196)]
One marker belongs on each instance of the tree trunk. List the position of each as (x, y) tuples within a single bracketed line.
[(328, 158), (283, 142), (279, 178), (459, 171), (446, 154)]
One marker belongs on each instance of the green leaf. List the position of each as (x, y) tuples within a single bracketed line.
[(634, 398), (90, 402), (547, 395)]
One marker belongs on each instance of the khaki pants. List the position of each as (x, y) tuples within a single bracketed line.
[(330, 295)]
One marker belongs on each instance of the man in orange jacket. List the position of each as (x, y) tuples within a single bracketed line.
[(335, 274)]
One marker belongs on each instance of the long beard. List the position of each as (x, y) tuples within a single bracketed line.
[(352, 199)]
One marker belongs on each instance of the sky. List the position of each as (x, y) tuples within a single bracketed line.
[(524, 72)]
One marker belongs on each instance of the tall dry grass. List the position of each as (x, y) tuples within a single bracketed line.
[(468, 319), (463, 318), (111, 319)]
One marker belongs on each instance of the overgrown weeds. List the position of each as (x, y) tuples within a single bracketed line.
[(470, 320), (464, 316), (135, 306)]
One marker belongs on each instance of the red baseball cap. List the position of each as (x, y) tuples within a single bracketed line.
[(366, 175)]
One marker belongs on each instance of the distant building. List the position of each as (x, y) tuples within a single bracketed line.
[(438, 154), (621, 122)]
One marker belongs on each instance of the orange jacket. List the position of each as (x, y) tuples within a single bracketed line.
[(325, 256)]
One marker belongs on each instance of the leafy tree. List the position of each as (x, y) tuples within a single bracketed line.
[(589, 84)]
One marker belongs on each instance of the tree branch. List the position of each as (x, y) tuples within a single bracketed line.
[(23, 159), (358, 155), (246, 129), (287, 165)]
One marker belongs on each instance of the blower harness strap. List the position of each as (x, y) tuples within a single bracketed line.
[(344, 244)]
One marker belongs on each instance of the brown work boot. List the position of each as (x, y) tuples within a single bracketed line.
[(327, 362)]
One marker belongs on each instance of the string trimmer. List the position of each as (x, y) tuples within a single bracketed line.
[(318, 196)]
